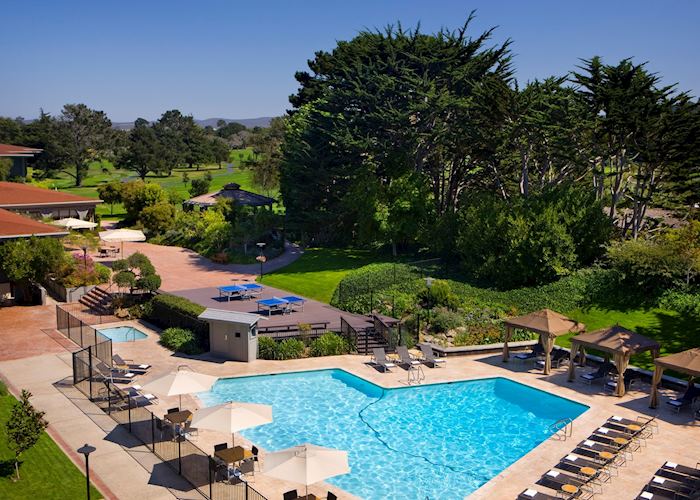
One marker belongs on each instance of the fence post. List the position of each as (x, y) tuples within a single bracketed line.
[(211, 465), (179, 455), (90, 370), (371, 300), (109, 397), (82, 344), (153, 433), (128, 405), (95, 331)]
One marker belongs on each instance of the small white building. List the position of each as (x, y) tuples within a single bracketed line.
[(232, 335)]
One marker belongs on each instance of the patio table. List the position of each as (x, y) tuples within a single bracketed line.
[(230, 291), (178, 417), (233, 455), (273, 304)]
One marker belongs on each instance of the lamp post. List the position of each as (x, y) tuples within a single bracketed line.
[(261, 257), (85, 248), (429, 284), (86, 450)]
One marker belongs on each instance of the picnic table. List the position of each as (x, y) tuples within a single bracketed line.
[(284, 304)]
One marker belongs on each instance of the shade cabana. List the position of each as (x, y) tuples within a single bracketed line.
[(548, 324), (683, 362), (617, 341)]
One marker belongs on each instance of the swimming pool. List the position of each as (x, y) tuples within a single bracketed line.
[(123, 333), (431, 441)]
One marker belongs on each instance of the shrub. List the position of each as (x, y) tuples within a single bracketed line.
[(684, 302), (352, 293), (181, 340), (329, 344), (167, 310), (137, 195), (267, 348), (439, 294), (444, 320), (199, 186), (290, 349), (157, 218)]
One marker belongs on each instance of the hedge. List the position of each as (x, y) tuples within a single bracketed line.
[(167, 311)]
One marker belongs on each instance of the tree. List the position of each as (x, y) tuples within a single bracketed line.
[(158, 218), (228, 130), (144, 152), (219, 150), (24, 427), (11, 130), (137, 195), (84, 135), (136, 272), (199, 186), (386, 104), (26, 261), (44, 134), (111, 193), (266, 144)]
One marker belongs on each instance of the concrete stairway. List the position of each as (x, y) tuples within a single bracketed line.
[(98, 301)]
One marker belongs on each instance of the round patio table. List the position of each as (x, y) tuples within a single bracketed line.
[(621, 440), (569, 488), (588, 471), (606, 455), (634, 427)]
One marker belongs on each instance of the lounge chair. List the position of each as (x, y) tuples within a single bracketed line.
[(555, 479), (114, 375), (678, 489), (683, 469), (691, 393), (651, 493), (405, 357), (379, 359), (629, 377), (290, 495), (129, 365), (537, 350), (600, 374), (690, 481), (574, 463), (428, 357), (532, 494), (139, 397)]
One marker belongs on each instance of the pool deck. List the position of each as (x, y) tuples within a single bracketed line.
[(678, 439)]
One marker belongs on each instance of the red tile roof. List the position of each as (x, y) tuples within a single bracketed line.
[(12, 150), (13, 225), (14, 194)]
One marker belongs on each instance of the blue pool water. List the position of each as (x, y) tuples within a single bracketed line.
[(433, 441), (123, 333)]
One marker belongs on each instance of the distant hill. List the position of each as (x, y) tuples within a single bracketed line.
[(263, 121)]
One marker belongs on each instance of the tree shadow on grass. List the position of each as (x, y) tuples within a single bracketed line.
[(7, 467)]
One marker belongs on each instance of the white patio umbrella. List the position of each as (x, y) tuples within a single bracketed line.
[(122, 235), (231, 417), (73, 223), (306, 464), (179, 383)]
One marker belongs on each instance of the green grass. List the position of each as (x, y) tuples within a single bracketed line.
[(45, 472), (103, 172), (317, 273), (675, 332)]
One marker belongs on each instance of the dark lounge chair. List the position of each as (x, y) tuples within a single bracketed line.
[(405, 357), (533, 494), (379, 359), (686, 399), (559, 357), (537, 350), (630, 377), (600, 374), (290, 495), (683, 469)]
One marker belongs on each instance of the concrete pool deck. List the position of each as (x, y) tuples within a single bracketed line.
[(678, 439)]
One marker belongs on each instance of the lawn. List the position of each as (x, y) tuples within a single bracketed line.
[(102, 172), (675, 332), (317, 273), (46, 472)]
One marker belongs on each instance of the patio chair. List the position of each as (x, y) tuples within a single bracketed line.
[(558, 358), (629, 378), (188, 431), (686, 400), (532, 494), (689, 481), (678, 489), (220, 446), (537, 350), (134, 392), (428, 357), (652, 493), (331, 496), (129, 365), (405, 357), (256, 454), (600, 374), (290, 495), (173, 410), (379, 359), (247, 467), (114, 375), (683, 469)]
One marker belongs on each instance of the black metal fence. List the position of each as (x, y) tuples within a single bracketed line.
[(174, 449), (84, 335)]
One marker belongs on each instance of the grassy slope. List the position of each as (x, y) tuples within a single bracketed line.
[(317, 273), (97, 176), (675, 332), (45, 471)]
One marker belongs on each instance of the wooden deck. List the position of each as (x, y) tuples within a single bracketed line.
[(314, 311)]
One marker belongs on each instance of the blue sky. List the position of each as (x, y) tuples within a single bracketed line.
[(237, 59)]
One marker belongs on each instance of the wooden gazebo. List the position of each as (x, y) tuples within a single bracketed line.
[(683, 362), (548, 324), (620, 342)]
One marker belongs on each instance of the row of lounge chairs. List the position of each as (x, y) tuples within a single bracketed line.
[(673, 481), (582, 472), (124, 372), (380, 360)]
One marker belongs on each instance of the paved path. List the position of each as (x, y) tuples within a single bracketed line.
[(184, 269)]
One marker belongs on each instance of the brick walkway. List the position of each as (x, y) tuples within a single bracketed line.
[(22, 332)]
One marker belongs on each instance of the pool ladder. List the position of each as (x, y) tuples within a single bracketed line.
[(415, 374), (562, 428)]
